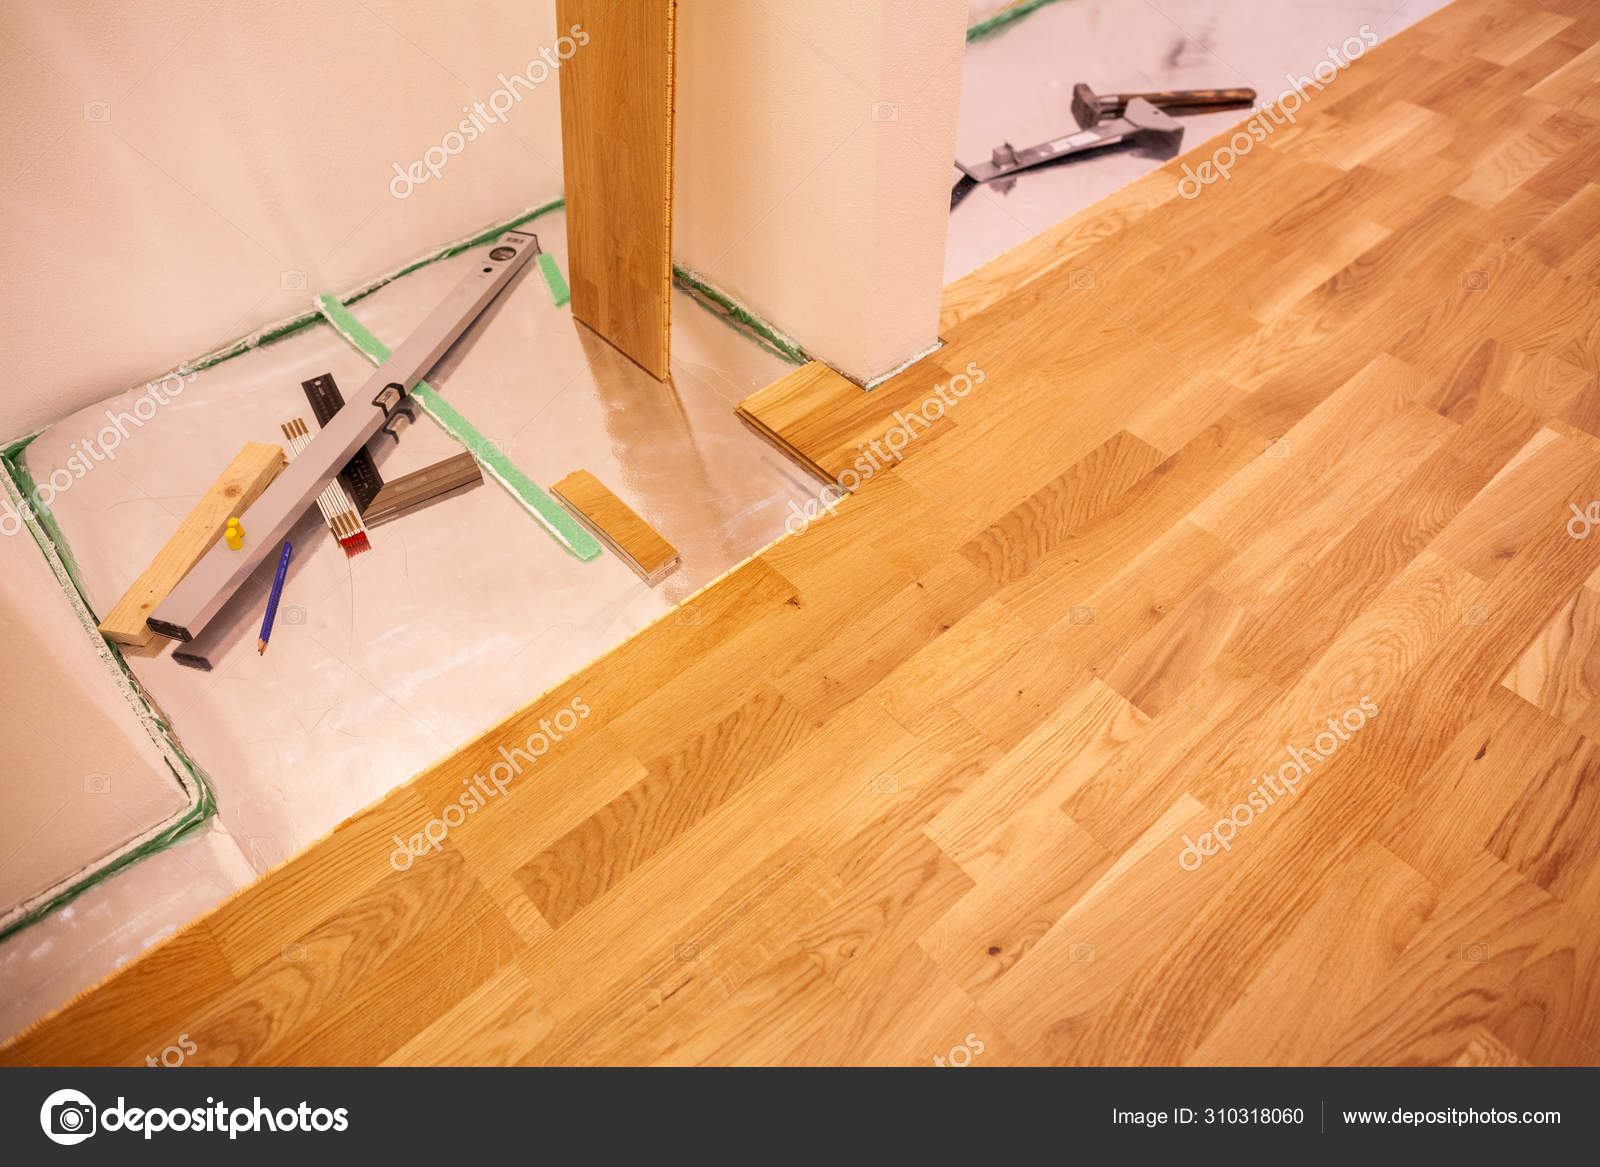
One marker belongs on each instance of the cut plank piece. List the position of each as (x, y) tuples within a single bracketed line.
[(616, 525), (616, 145), (792, 400), (245, 478), (834, 428)]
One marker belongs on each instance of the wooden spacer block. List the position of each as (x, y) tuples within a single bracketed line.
[(239, 485), (410, 491), (615, 524)]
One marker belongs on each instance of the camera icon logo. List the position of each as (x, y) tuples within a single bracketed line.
[(293, 281), (68, 1117)]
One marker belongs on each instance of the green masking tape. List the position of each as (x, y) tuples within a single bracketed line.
[(553, 518)]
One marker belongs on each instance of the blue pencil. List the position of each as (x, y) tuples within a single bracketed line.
[(272, 600)]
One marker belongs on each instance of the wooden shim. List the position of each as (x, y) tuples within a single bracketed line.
[(617, 525), (616, 142), (239, 485)]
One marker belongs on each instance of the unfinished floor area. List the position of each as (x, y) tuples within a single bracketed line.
[(380, 663), (1208, 680)]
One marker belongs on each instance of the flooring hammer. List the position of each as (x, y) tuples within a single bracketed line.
[(1089, 108), (1140, 123)]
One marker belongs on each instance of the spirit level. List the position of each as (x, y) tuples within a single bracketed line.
[(201, 594)]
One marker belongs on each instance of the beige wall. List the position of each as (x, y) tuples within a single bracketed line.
[(814, 163), (180, 172)]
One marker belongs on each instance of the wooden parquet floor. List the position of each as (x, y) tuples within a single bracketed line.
[(1256, 534)]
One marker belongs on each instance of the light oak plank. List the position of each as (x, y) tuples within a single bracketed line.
[(616, 156)]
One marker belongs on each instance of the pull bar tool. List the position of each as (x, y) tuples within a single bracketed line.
[(1141, 122)]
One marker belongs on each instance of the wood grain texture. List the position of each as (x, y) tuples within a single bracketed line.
[(930, 768), (616, 156), (616, 524), (251, 470), (822, 419)]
